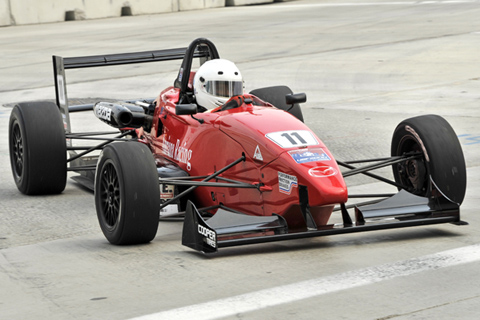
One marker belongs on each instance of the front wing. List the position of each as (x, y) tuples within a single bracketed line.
[(228, 228)]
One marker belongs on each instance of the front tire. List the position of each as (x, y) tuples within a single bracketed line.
[(38, 151), (127, 194), (441, 169), (276, 96)]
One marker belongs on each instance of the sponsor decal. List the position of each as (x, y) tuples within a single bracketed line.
[(177, 152), (167, 191), (258, 154), (292, 138), (169, 209), (180, 74), (286, 182), (310, 155), (61, 90), (168, 148), (322, 171), (210, 236), (65, 124), (103, 113)]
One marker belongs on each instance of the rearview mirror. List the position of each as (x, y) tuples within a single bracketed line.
[(296, 98), (185, 109)]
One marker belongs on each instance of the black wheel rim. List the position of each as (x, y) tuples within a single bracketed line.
[(413, 174), (110, 196), (17, 151)]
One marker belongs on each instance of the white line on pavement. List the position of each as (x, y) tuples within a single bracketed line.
[(315, 287), (358, 4)]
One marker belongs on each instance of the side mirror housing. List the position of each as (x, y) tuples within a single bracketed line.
[(185, 109), (296, 98)]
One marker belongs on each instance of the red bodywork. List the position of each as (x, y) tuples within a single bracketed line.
[(281, 153)]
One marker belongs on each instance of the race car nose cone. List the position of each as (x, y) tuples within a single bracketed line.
[(322, 171)]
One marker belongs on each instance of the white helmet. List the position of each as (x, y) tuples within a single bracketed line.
[(215, 82)]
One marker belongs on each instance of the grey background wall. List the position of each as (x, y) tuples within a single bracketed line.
[(21, 12)]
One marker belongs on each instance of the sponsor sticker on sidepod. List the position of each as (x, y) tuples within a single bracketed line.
[(286, 182)]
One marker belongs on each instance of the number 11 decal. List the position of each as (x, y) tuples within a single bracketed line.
[(290, 137), (293, 138)]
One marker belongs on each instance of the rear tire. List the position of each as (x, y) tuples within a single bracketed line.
[(276, 96), (127, 193), (38, 151), (442, 158)]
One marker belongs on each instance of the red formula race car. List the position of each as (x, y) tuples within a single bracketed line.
[(240, 168)]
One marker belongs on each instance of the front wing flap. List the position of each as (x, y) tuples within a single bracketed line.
[(202, 235), (227, 228)]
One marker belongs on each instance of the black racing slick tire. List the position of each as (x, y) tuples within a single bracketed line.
[(276, 96), (38, 151), (127, 193), (441, 170)]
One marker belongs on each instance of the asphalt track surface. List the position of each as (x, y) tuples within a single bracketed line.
[(365, 66)]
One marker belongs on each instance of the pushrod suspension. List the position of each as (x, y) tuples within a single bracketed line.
[(101, 145), (213, 175)]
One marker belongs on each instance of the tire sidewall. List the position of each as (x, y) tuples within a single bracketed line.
[(20, 180), (276, 96), (139, 193), (442, 155), (44, 148), (402, 135), (109, 156)]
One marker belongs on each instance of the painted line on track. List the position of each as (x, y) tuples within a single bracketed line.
[(307, 289), (380, 3), (471, 139)]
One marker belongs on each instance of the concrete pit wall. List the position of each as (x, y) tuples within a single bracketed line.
[(20, 12)]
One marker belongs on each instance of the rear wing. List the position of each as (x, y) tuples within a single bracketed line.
[(199, 48)]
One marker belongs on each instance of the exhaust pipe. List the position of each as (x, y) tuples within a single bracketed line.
[(120, 115)]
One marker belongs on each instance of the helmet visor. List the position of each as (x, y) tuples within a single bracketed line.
[(225, 89)]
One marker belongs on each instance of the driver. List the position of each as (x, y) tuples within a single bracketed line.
[(215, 82)]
